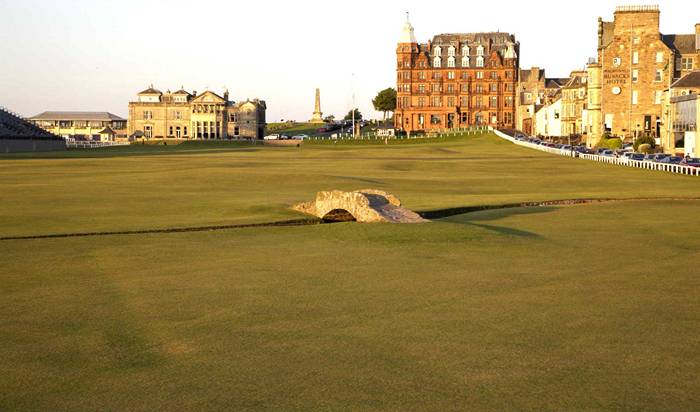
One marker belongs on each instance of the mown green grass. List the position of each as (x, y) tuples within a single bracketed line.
[(206, 185), (575, 308), (569, 308)]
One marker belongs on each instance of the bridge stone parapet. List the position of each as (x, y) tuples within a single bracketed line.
[(365, 206)]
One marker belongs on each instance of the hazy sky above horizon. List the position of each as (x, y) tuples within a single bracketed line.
[(95, 55)]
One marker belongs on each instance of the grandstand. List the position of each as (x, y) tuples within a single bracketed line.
[(20, 135)]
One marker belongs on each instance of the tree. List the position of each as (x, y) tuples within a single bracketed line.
[(329, 119), (385, 101), (358, 115)]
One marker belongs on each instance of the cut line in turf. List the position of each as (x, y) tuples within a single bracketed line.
[(430, 215)]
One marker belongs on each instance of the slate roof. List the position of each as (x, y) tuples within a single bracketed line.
[(691, 79), (151, 90), (526, 74), (492, 41), (683, 43), (87, 116)]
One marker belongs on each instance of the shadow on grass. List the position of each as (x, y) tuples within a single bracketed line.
[(489, 215)]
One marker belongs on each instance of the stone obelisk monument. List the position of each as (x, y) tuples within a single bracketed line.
[(317, 116)]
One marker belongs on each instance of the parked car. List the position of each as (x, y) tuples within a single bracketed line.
[(673, 160), (691, 161), (300, 137), (660, 156), (607, 153), (650, 158), (637, 156), (272, 137), (600, 150)]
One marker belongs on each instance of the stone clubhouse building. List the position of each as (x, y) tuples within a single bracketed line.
[(456, 80), (185, 115)]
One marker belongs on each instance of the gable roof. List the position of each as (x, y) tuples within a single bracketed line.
[(683, 43), (151, 90), (87, 116), (183, 91), (526, 75), (691, 79), (203, 97)]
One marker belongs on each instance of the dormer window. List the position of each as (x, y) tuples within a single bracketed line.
[(451, 61), (437, 51), (451, 51), (480, 50), (437, 62), (480, 61), (465, 61), (465, 50)]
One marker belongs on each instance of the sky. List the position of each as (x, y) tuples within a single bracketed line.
[(96, 55)]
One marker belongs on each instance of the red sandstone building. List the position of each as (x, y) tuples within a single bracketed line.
[(456, 80)]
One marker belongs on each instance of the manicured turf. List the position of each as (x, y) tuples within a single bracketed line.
[(211, 185), (557, 308)]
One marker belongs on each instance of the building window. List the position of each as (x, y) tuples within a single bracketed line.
[(451, 62), (450, 88), (185, 130), (450, 102), (479, 102), (421, 75), (451, 51), (659, 75), (147, 115), (509, 101), (436, 88), (508, 118), (465, 101), (434, 119), (170, 131), (178, 115), (480, 61), (148, 131), (635, 97), (479, 75), (657, 96), (635, 40), (465, 61), (437, 76), (635, 58), (494, 75), (479, 88), (465, 50), (493, 102), (635, 76), (659, 57), (451, 75), (437, 102), (421, 88), (437, 51), (465, 87), (480, 50), (687, 63), (493, 87), (421, 102)]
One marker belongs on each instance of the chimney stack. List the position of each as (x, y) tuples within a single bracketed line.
[(697, 36)]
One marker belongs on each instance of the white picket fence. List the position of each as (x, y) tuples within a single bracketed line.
[(93, 144), (663, 167)]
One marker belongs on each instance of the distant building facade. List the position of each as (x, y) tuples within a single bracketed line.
[(574, 103), (185, 115), (636, 66), (534, 90), (456, 80), (684, 116), (96, 126)]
